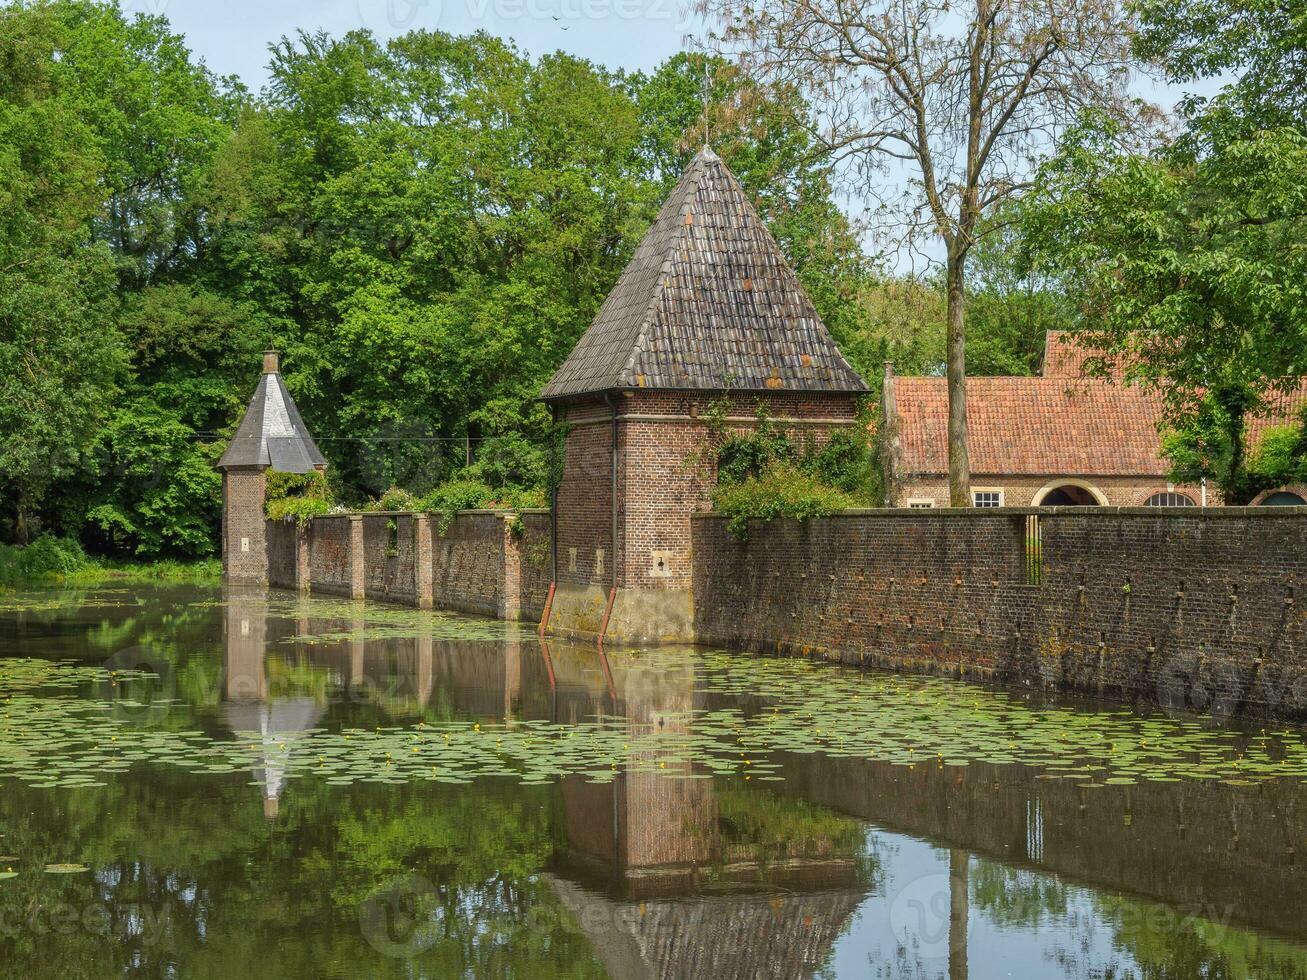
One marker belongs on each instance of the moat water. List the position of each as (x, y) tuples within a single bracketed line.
[(206, 783)]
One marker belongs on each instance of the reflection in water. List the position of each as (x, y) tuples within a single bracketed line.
[(248, 711), (801, 863)]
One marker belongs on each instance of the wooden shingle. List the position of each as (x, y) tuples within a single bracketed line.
[(707, 302)]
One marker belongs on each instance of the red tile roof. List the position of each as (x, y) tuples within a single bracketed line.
[(1051, 426), (1036, 426), (1061, 424), (1063, 355), (1282, 408)]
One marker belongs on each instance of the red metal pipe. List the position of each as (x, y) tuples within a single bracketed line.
[(549, 605)]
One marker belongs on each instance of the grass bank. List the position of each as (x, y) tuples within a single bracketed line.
[(51, 561)]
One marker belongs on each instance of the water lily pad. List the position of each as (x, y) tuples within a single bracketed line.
[(65, 869)]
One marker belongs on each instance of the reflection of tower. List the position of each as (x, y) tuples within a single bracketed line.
[(649, 830), (269, 724), (646, 869)]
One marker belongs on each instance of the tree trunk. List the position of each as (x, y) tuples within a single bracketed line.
[(1235, 402), (959, 463), (959, 884), (21, 533)]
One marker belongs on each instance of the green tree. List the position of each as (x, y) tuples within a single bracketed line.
[(1192, 258), (62, 361), (942, 110)]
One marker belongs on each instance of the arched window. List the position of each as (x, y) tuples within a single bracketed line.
[(1169, 498), (1069, 495), (1283, 498)]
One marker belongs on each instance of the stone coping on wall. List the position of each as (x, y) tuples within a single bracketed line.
[(1084, 511), (290, 518)]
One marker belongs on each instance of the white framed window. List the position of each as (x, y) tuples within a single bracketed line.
[(1170, 498), (987, 497), (921, 503)]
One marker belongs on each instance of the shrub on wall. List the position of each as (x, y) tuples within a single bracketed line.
[(297, 496), (394, 499), (766, 472), (783, 491), (468, 494)]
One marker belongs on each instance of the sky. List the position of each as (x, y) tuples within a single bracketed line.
[(232, 36)]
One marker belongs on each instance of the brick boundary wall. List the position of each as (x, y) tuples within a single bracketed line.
[(1195, 608), (537, 564), (490, 563), (390, 557)]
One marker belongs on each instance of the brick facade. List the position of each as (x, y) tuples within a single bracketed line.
[(661, 477), (390, 559), (1022, 490), (244, 548), (335, 568), (1200, 607)]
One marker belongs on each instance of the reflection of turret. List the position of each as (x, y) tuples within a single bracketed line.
[(673, 884), (652, 831), (723, 937), (270, 724)]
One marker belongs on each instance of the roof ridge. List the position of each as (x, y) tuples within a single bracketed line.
[(693, 176)]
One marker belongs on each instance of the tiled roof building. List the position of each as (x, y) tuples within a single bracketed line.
[(707, 303), (1061, 438), (708, 312)]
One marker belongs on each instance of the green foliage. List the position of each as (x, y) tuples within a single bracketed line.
[(62, 357), (783, 491), (751, 453), (764, 472), (1280, 457), (1255, 47), (845, 461), (459, 494), (1011, 305), (465, 492), (298, 497), (1190, 257), (1210, 444), (394, 500), (50, 559), (47, 558)]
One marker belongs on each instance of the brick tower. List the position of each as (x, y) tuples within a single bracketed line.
[(708, 309), (271, 436)]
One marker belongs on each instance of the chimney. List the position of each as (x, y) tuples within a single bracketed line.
[(271, 362)]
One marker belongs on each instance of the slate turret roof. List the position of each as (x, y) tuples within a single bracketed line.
[(707, 302), (272, 433)]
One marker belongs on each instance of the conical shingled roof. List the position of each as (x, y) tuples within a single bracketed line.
[(708, 302), (272, 433)]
